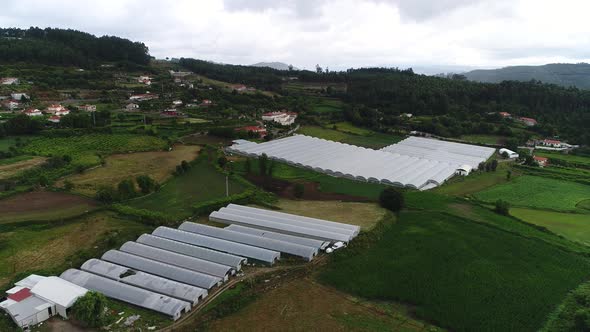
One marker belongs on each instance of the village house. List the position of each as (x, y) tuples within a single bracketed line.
[(206, 102), (177, 102), (508, 153), (145, 80), (19, 96), (9, 80), (171, 113), (36, 298), (131, 107), (57, 109), (261, 131), (87, 108), (11, 104), (552, 143), (143, 97), (528, 121), (54, 118), (239, 87), (542, 161), (283, 117), (180, 73), (33, 112), (505, 115)]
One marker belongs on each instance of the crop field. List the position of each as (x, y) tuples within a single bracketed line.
[(369, 139), (460, 274), (157, 164), (304, 305), (201, 183), (573, 226), (7, 142), (49, 247), (84, 150), (485, 139), (327, 105), (12, 166), (328, 184), (538, 192), (365, 215), (43, 205)]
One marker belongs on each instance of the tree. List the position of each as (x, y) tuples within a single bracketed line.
[(299, 190), (222, 161), (185, 165), (91, 309), (392, 199), (146, 183), (481, 166), (126, 189), (502, 207), (106, 194), (493, 165), (248, 166), (508, 175), (271, 168), (43, 181), (263, 164)]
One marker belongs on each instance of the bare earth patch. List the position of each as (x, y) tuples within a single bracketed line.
[(10, 170), (43, 205), (303, 305), (157, 164)]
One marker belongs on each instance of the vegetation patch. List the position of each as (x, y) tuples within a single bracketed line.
[(538, 192), (573, 226), (573, 314), (12, 167), (448, 267), (159, 165), (351, 135)]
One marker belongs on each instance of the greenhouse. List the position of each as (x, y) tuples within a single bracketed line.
[(304, 241)]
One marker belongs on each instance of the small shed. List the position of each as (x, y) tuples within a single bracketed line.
[(511, 154), (464, 170)]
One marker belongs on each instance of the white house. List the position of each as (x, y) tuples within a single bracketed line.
[(9, 80), (19, 96), (11, 104), (177, 102), (54, 119), (511, 154), (87, 108), (54, 108), (131, 107), (143, 97), (145, 80), (36, 299), (63, 111), (33, 112), (283, 117)]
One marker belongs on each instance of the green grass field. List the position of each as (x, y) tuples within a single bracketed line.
[(476, 181), (368, 139), (7, 142), (538, 192), (84, 149), (485, 139), (460, 274), (202, 183), (581, 160), (573, 226)]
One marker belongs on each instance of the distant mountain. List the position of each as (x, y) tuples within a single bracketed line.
[(564, 74), (273, 65)]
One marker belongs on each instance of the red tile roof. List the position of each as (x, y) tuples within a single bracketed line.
[(20, 295), (528, 119), (552, 141), (542, 159)]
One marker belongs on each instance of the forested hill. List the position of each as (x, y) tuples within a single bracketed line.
[(563, 74), (68, 47)]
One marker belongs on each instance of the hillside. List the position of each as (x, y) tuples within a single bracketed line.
[(274, 65), (68, 48), (563, 74)]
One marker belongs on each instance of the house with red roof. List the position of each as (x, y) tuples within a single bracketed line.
[(528, 121), (33, 112), (542, 161), (54, 118), (261, 131), (87, 108), (239, 87), (505, 115), (206, 102)]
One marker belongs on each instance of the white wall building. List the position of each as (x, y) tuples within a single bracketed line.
[(511, 154), (284, 118)]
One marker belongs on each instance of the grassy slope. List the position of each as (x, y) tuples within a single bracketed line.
[(575, 227), (449, 267), (477, 181), (538, 192), (351, 135), (565, 157), (202, 183)]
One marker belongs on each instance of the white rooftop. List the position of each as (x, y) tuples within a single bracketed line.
[(58, 291), (30, 281)]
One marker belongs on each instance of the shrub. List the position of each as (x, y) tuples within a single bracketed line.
[(126, 189), (68, 185), (502, 207), (391, 199), (146, 184), (106, 194), (299, 190), (263, 164), (91, 309)]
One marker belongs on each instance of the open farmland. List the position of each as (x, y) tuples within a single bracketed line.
[(303, 305), (351, 135), (84, 150), (201, 183), (569, 158), (43, 205), (157, 164), (477, 181), (538, 192), (462, 275), (13, 166), (573, 226), (48, 247), (12, 141), (365, 215)]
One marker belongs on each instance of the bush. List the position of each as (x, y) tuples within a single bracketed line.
[(68, 185), (502, 207), (126, 189), (106, 194), (91, 309), (392, 199), (146, 184), (299, 190)]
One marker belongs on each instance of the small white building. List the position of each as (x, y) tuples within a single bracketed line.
[(36, 299), (177, 102), (9, 80), (19, 96), (33, 112), (87, 108), (283, 117), (131, 107), (511, 154)]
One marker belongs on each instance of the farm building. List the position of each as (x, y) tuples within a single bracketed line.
[(542, 161), (511, 154), (36, 299), (417, 163), (464, 170), (123, 292)]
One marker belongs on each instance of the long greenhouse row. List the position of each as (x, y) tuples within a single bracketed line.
[(171, 270), (417, 163)]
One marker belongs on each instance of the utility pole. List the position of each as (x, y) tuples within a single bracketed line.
[(226, 185)]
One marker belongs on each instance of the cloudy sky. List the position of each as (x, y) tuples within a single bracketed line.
[(424, 34)]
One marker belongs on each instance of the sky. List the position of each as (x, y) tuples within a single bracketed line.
[(427, 35)]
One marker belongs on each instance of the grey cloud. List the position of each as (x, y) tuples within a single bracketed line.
[(301, 8), (421, 10)]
